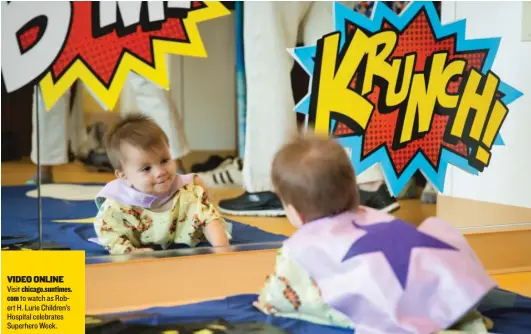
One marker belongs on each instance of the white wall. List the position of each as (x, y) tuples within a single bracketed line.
[(508, 178), (205, 88)]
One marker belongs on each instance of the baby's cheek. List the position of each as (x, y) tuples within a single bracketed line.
[(146, 184)]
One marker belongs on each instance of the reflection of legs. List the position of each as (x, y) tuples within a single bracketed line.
[(77, 133), (270, 28), (53, 134), (141, 95)]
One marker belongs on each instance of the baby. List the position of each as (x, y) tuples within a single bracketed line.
[(350, 266), (149, 204)]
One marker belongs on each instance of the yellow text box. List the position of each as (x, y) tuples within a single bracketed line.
[(43, 292)]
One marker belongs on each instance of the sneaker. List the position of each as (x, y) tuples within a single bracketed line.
[(380, 199), (227, 175), (429, 194), (264, 203), (212, 163)]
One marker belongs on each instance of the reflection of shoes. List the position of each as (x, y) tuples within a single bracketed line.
[(45, 179), (97, 160), (429, 194), (410, 190), (227, 175), (212, 163), (253, 204), (380, 199)]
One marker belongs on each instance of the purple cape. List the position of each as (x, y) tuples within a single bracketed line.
[(389, 276)]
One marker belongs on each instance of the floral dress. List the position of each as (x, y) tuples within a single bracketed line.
[(122, 228)]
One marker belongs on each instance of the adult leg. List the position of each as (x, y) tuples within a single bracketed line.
[(270, 28), (77, 132), (53, 134), (142, 95)]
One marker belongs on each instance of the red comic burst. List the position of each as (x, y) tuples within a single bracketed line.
[(102, 54), (417, 37)]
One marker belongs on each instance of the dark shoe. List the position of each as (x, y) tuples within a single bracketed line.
[(380, 199), (253, 204), (212, 163), (98, 161)]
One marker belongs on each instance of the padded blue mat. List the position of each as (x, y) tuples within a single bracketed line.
[(19, 217), (510, 312)]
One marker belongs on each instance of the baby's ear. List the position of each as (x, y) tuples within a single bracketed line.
[(293, 215), (120, 174)]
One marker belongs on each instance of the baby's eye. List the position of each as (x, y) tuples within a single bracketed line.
[(146, 169), (163, 161)]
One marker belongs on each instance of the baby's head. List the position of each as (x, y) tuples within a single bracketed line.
[(314, 178), (139, 153)]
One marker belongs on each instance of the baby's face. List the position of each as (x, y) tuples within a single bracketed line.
[(151, 172)]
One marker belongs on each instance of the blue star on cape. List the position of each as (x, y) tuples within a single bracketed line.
[(395, 240), (305, 57)]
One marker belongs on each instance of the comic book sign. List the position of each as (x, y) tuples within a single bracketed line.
[(54, 43), (407, 92)]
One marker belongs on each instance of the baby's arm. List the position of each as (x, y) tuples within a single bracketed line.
[(199, 181), (215, 233), (113, 231), (205, 214)]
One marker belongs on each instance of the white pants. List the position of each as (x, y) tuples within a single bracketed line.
[(59, 125), (270, 28), (143, 96)]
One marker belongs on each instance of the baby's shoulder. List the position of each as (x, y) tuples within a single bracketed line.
[(187, 178), (191, 190)]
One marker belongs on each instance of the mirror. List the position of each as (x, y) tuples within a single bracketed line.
[(75, 166), (72, 155)]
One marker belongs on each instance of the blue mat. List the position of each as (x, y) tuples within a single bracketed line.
[(511, 313), (19, 217)]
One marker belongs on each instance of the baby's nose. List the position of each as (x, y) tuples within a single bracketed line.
[(160, 172)]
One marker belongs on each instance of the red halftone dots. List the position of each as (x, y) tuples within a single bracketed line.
[(28, 38), (417, 37), (102, 54)]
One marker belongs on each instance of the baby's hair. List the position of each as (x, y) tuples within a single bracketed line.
[(137, 130), (315, 176)]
